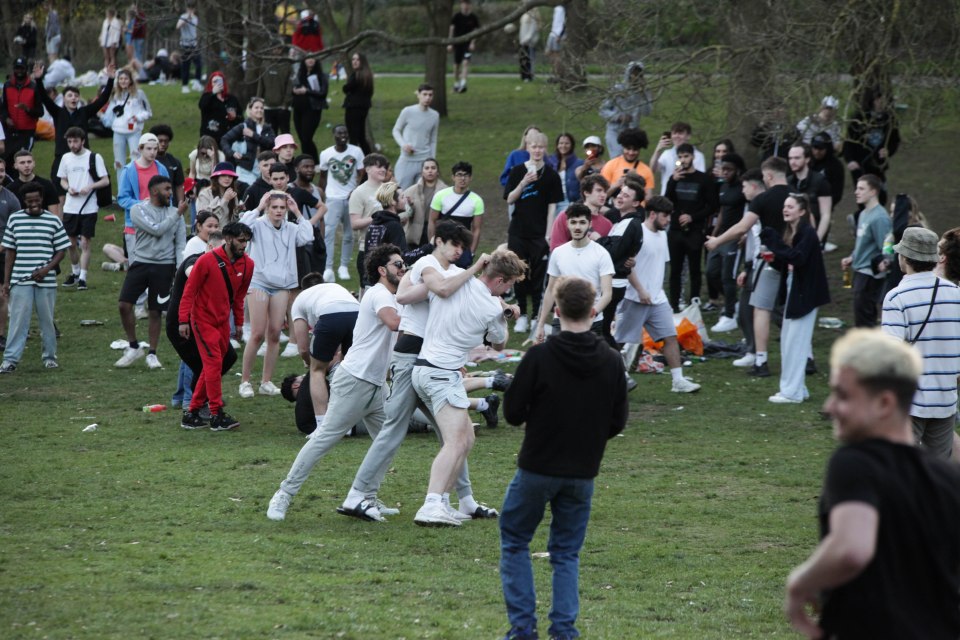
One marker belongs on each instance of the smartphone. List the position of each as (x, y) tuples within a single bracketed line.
[(665, 134)]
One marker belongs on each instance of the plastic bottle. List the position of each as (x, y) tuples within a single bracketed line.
[(154, 408)]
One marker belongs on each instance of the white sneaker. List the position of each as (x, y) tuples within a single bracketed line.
[(278, 505), (291, 351), (343, 273), (184, 89), (119, 345), (234, 343), (684, 385), (746, 361), (111, 266), (724, 324), (456, 513), (829, 247), (384, 509), (434, 514), (328, 276), (267, 388), (283, 338), (779, 399), (246, 390), (153, 362), (196, 86), (129, 356), (246, 333), (140, 312), (522, 325), (262, 351)]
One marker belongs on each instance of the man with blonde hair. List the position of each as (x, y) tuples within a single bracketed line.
[(888, 563), (471, 315)]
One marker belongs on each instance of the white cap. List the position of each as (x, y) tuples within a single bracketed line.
[(830, 102), (593, 140), (148, 137)]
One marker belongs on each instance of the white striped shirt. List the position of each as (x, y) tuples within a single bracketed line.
[(904, 310), (35, 239)]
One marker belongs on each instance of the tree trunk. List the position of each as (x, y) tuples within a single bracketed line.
[(439, 13), (572, 72)]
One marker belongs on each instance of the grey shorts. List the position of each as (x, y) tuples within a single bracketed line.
[(657, 319), (765, 289), (440, 387)]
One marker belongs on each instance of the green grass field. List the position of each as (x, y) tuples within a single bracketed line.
[(144, 530)]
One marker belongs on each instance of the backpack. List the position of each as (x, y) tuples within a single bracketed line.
[(104, 194)]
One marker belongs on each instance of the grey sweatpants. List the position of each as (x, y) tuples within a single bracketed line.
[(338, 213)]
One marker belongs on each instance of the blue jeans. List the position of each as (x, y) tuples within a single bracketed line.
[(522, 512), (184, 394), (23, 298)]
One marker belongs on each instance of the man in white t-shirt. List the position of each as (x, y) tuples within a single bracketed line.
[(340, 166), (645, 304), (581, 257), (80, 207), (357, 389), (324, 316), (438, 274), (471, 315), (664, 159)]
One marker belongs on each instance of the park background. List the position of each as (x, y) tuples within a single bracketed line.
[(141, 529)]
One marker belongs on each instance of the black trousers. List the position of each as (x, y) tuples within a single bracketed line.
[(356, 121), (188, 352), (745, 316), (689, 245), (610, 312), (306, 122), (867, 298), (279, 119), (535, 251)]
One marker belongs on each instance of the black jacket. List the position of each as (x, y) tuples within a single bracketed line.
[(810, 288), (63, 119), (258, 142)]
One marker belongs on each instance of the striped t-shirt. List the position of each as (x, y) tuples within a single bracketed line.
[(35, 239), (904, 310)]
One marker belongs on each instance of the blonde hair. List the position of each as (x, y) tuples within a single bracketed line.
[(881, 362), (523, 138), (132, 89), (387, 194), (507, 265)]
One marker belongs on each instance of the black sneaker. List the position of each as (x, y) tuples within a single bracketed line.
[(3, 342), (811, 368), (192, 420), (71, 280), (759, 371), (501, 380), (490, 413), (81, 285), (223, 422)]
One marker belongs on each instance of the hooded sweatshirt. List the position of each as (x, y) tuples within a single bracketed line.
[(627, 99), (571, 392)]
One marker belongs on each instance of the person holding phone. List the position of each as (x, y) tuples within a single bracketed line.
[(664, 158)]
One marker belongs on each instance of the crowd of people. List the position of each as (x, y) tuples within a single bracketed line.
[(600, 253)]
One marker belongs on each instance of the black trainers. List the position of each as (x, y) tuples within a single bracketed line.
[(490, 413), (501, 380), (192, 420), (71, 280), (759, 371), (81, 285), (811, 368), (223, 422)]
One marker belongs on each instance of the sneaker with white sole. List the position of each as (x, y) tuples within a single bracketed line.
[(684, 385), (223, 422), (246, 390), (723, 325), (748, 360), (456, 513), (482, 512), (111, 266), (343, 273), (8, 367), (781, 399), (119, 345), (290, 351), (140, 312), (130, 355), (267, 388), (262, 351), (522, 325), (279, 503), (384, 509), (70, 281), (51, 363), (153, 362), (329, 276), (184, 89), (434, 514)]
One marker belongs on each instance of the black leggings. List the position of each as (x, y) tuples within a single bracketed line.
[(689, 245), (306, 122), (535, 252), (356, 120), (610, 312)]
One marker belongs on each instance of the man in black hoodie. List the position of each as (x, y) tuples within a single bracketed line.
[(560, 456), (387, 228)]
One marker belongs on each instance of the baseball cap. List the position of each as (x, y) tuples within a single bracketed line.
[(821, 141), (830, 102), (283, 140), (148, 137), (20, 62), (592, 140)]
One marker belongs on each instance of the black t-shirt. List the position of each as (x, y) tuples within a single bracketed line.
[(464, 24), (530, 210), (176, 291), (50, 196), (174, 168), (694, 194), (732, 201), (814, 186), (911, 587), (769, 207), (303, 413), (833, 170)]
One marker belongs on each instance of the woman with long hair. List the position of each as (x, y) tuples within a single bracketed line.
[(419, 196), (722, 148), (565, 161), (204, 158), (274, 252), (126, 112), (804, 284), (110, 32), (358, 98), (219, 109), (220, 197), (247, 139), (309, 101), (518, 155), (207, 223)]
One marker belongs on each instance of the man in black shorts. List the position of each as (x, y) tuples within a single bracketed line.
[(161, 237), (462, 23)]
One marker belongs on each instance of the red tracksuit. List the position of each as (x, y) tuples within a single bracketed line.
[(205, 305)]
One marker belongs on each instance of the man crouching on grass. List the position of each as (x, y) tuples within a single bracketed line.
[(888, 563), (560, 456)]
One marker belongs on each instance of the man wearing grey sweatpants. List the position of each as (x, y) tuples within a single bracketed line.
[(357, 389)]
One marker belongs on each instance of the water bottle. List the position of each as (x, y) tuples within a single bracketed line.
[(154, 408)]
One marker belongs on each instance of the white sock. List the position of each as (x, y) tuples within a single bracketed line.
[(445, 499), (468, 504), (488, 382), (75, 269), (433, 497), (353, 498), (761, 358), (319, 420), (83, 274), (482, 404), (677, 374)]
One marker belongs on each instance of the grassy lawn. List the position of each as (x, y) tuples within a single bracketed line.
[(144, 530)]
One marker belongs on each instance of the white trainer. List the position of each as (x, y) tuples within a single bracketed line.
[(328, 276), (119, 345), (246, 390), (748, 360), (111, 266), (780, 399), (343, 273), (279, 504), (434, 514), (153, 362), (456, 513), (267, 388), (130, 355), (723, 325), (290, 351), (283, 338), (684, 385), (384, 509), (140, 312), (522, 324), (262, 351)]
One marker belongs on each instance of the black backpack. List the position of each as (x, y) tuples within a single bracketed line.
[(104, 194)]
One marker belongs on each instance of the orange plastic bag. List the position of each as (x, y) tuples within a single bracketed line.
[(649, 345), (689, 338), (45, 130)]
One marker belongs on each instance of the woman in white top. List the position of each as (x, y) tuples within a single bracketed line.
[(109, 40), (127, 110), (274, 252), (221, 196), (207, 223), (205, 158)]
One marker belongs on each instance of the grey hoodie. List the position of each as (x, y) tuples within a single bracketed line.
[(627, 98), (161, 234)]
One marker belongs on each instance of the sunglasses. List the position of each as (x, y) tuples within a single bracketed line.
[(399, 265)]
